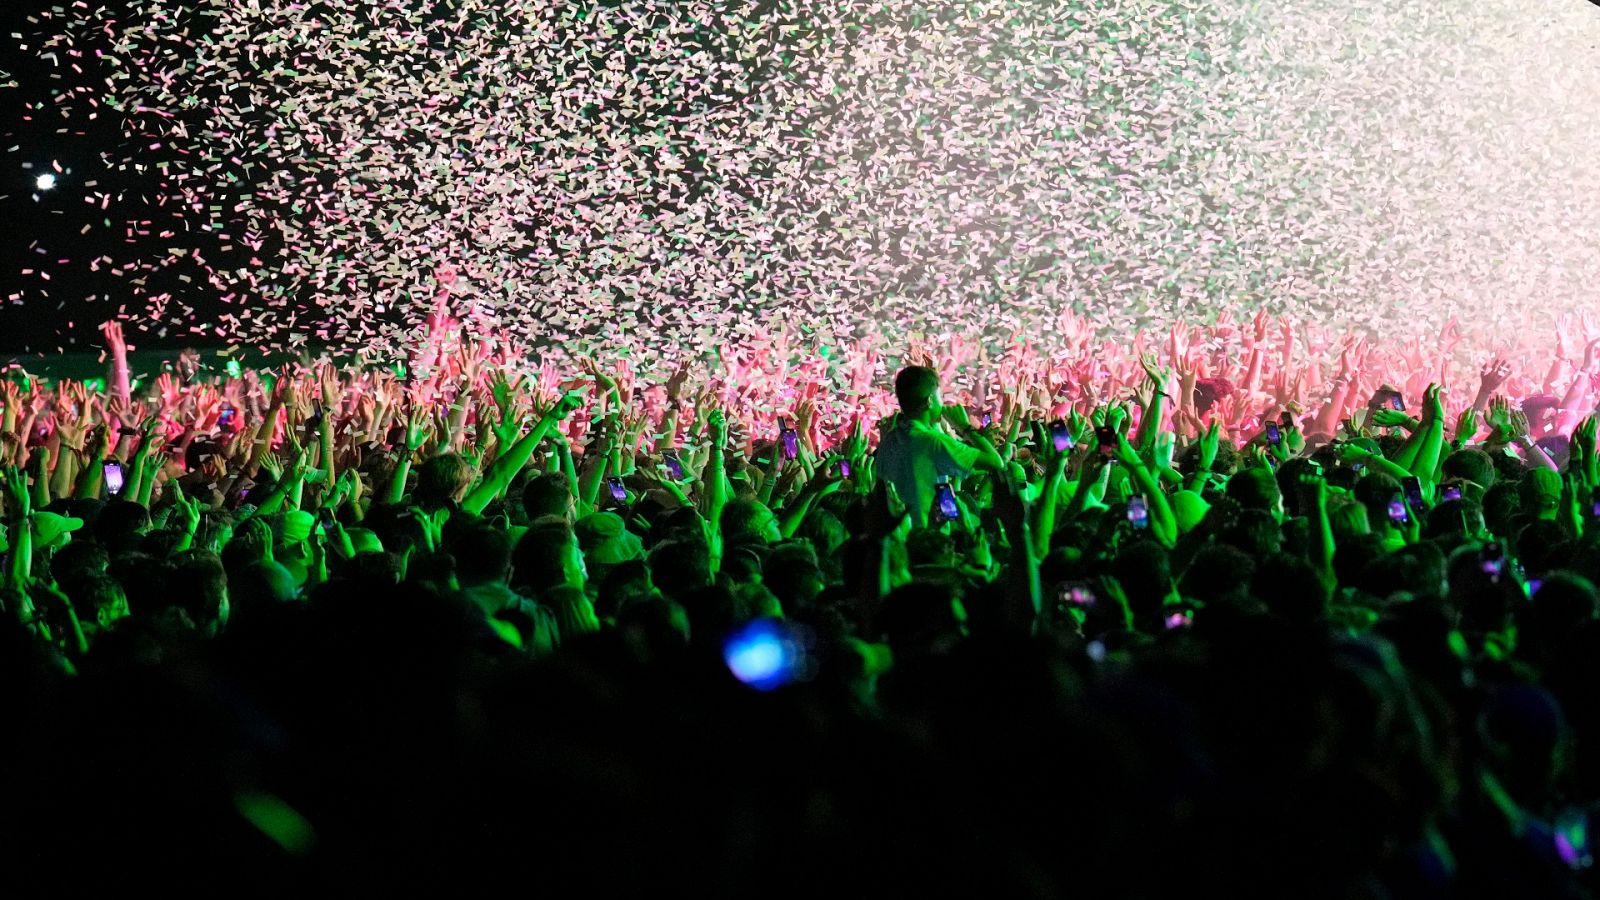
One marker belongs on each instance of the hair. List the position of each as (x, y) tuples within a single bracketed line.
[(539, 561), (1472, 464), (1255, 489), (1452, 517), (200, 587), (119, 526), (259, 585), (574, 613), (97, 596), (914, 388), (440, 479), (623, 585), (930, 547), (1219, 574), (793, 575), (1255, 532), (547, 495), (742, 521), (482, 554), (1290, 587), (679, 566), (1374, 491)]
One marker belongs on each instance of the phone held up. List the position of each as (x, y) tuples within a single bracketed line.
[(944, 501)]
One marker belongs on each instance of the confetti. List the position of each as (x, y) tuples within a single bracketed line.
[(650, 178)]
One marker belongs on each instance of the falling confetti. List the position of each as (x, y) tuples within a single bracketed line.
[(637, 178)]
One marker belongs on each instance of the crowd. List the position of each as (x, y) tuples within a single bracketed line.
[(1250, 613)]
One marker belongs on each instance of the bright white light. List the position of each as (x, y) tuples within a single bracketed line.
[(46, 181)]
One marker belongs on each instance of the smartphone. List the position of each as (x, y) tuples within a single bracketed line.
[(1397, 402), (1413, 491), (226, 419), (1596, 508), (1106, 436), (1178, 617), (1398, 513), (113, 477), (618, 492), (325, 521), (1060, 436), (1274, 434), (987, 420), (1452, 492), (789, 439), (674, 465), (944, 501), (1138, 512), (1533, 586), (844, 468)]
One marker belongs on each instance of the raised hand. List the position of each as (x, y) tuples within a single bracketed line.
[(1384, 417), (1493, 374)]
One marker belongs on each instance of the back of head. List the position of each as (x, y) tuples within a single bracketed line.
[(257, 586), (1375, 491), (543, 558), (200, 586), (548, 494), (1218, 574), (120, 525), (1540, 492), (482, 554), (914, 389), (1472, 464), (748, 521), (680, 566), (1255, 488), (921, 616), (441, 480), (1290, 587)]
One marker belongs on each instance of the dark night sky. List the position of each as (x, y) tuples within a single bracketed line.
[(56, 219)]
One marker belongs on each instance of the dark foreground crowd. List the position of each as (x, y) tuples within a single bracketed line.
[(281, 639)]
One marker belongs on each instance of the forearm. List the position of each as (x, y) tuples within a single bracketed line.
[(89, 483), (1327, 421), (1022, 582), (65, 477), (1428, 451), (330, 471), (1044, 525), (506, 468), (396, 491), (147, 484), (593, 474)]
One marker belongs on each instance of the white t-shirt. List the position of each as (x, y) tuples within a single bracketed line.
[(912, 456)]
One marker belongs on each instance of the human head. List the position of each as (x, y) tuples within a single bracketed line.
[(748, 520), (1257, 489), (681, 565), (1472, 464), (917, 390), (442, 480), (547, 495), (200, 586), (547, 557), (483, 556)]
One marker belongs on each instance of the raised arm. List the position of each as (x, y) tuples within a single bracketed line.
[(505, 468)]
